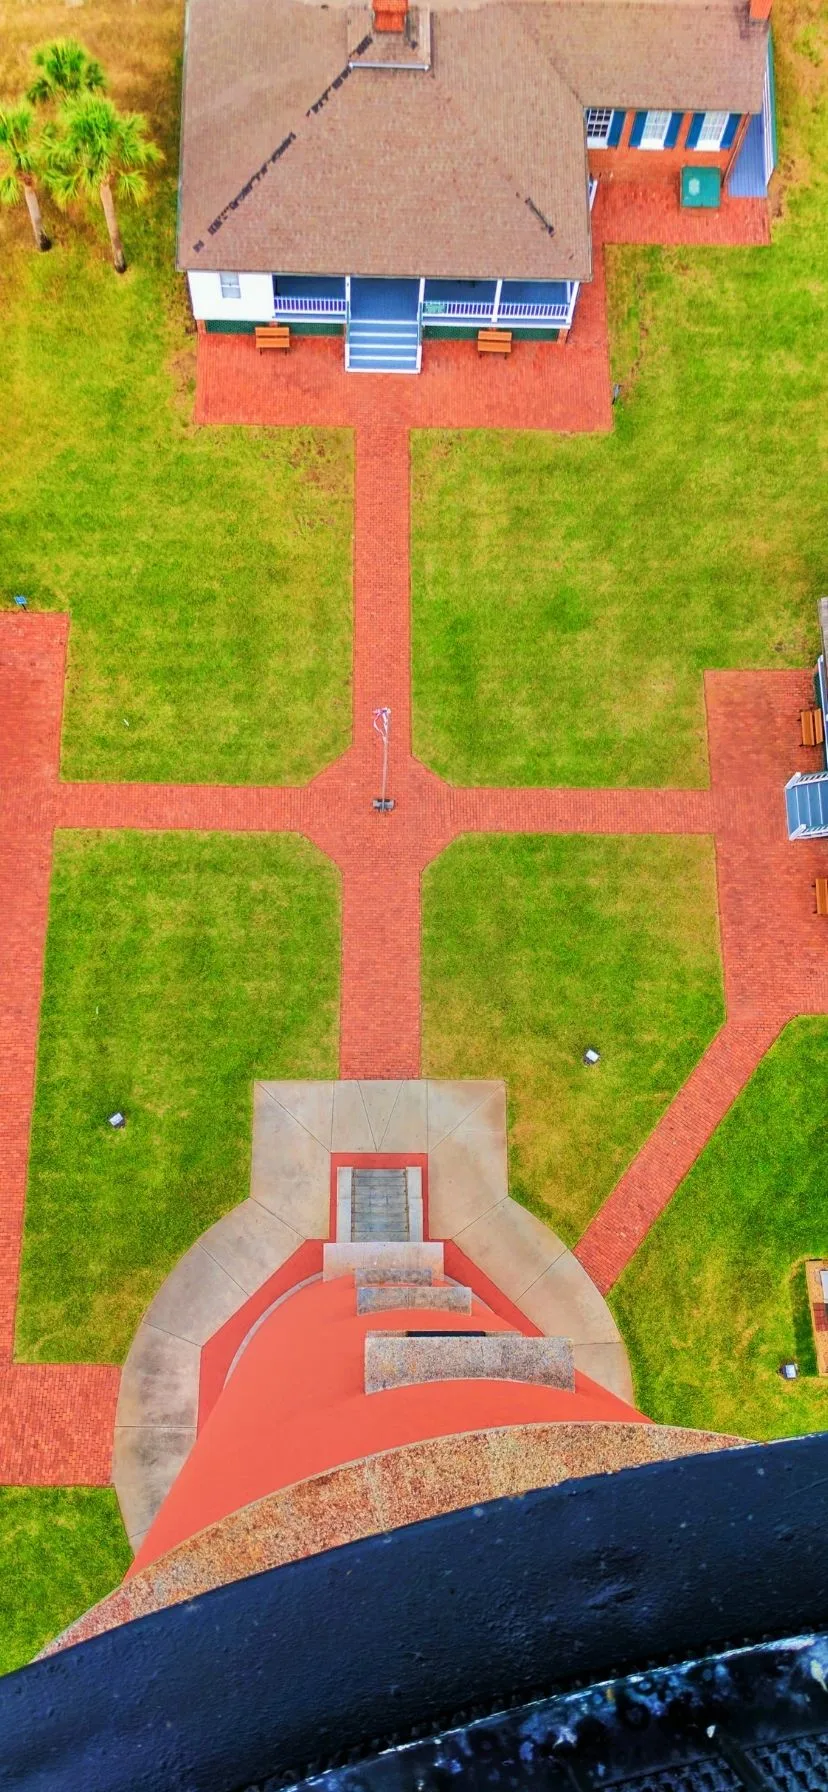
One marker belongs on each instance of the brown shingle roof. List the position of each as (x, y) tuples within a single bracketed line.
[(474, 168)]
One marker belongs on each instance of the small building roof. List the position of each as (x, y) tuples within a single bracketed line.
[(304, 151)]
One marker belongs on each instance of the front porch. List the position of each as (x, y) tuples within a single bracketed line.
[(385, 322)]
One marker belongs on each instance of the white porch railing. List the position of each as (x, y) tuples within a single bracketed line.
[(460, 308), (309, 307), (547, 314), (458, 311)]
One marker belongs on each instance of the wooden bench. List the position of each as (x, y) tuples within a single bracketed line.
[(821, 889), (813, 731), (494, 342), (272, 336), (814, 1268)]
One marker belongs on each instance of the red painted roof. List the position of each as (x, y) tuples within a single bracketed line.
[(294, 1406)]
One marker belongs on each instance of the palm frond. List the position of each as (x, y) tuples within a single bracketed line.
[(131, 185), (104, 144), (11, 189), (20, 150), (65, 69)]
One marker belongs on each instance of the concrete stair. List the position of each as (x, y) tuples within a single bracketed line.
[(349, 1259), (379, 1205), (409, 1278), (806, 805), (449, 1299), (393, 1360), (378, 345)]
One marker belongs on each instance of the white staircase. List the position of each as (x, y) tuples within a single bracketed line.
[(379, 345)]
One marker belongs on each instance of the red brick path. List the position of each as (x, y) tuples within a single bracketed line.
[(56, 1421), (774, 946)]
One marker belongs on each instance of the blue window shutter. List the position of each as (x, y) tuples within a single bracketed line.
[(730, 129), (616, 127), (673, 129), (694, 132), (637, 131)]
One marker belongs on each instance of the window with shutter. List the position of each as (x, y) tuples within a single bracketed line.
[(656, 126), (713, 127)]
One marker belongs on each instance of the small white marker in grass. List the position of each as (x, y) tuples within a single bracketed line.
[(591, 1056), (117, 1121)]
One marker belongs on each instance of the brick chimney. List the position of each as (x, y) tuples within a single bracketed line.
[(760, 9), (389, 15)]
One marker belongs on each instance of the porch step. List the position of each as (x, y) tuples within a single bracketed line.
[(378, 345), (806, 803)]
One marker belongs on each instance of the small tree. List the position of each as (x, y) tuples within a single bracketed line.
[(97, 149), (20, 160), (65, 70)]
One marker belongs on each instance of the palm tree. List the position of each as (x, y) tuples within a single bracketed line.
[(95, 149), (65, 70), (20, 161)]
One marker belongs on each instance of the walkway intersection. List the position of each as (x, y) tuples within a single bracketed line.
[(56, 1421)]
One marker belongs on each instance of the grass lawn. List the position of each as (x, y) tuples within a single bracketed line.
[(569, 593), (715, 1298), (61, 1550), (178, 968), (534, 948), (207, 571)]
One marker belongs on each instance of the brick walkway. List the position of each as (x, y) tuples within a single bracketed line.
[(56, 1421)]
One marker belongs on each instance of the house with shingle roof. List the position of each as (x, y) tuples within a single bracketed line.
[(395, 170)]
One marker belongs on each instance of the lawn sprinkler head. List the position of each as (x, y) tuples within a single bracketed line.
[(21, 601), (591, 1056), (789, 1371), (117, 1121)]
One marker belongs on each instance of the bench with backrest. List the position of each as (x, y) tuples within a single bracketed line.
[(272, 336), (812, 727), (816, 1282), (494, 342)]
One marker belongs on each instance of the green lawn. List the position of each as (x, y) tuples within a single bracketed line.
[(61, 1550), (533, 949), (178, 968), (207, 572), (715, 1298), (569, 593)]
